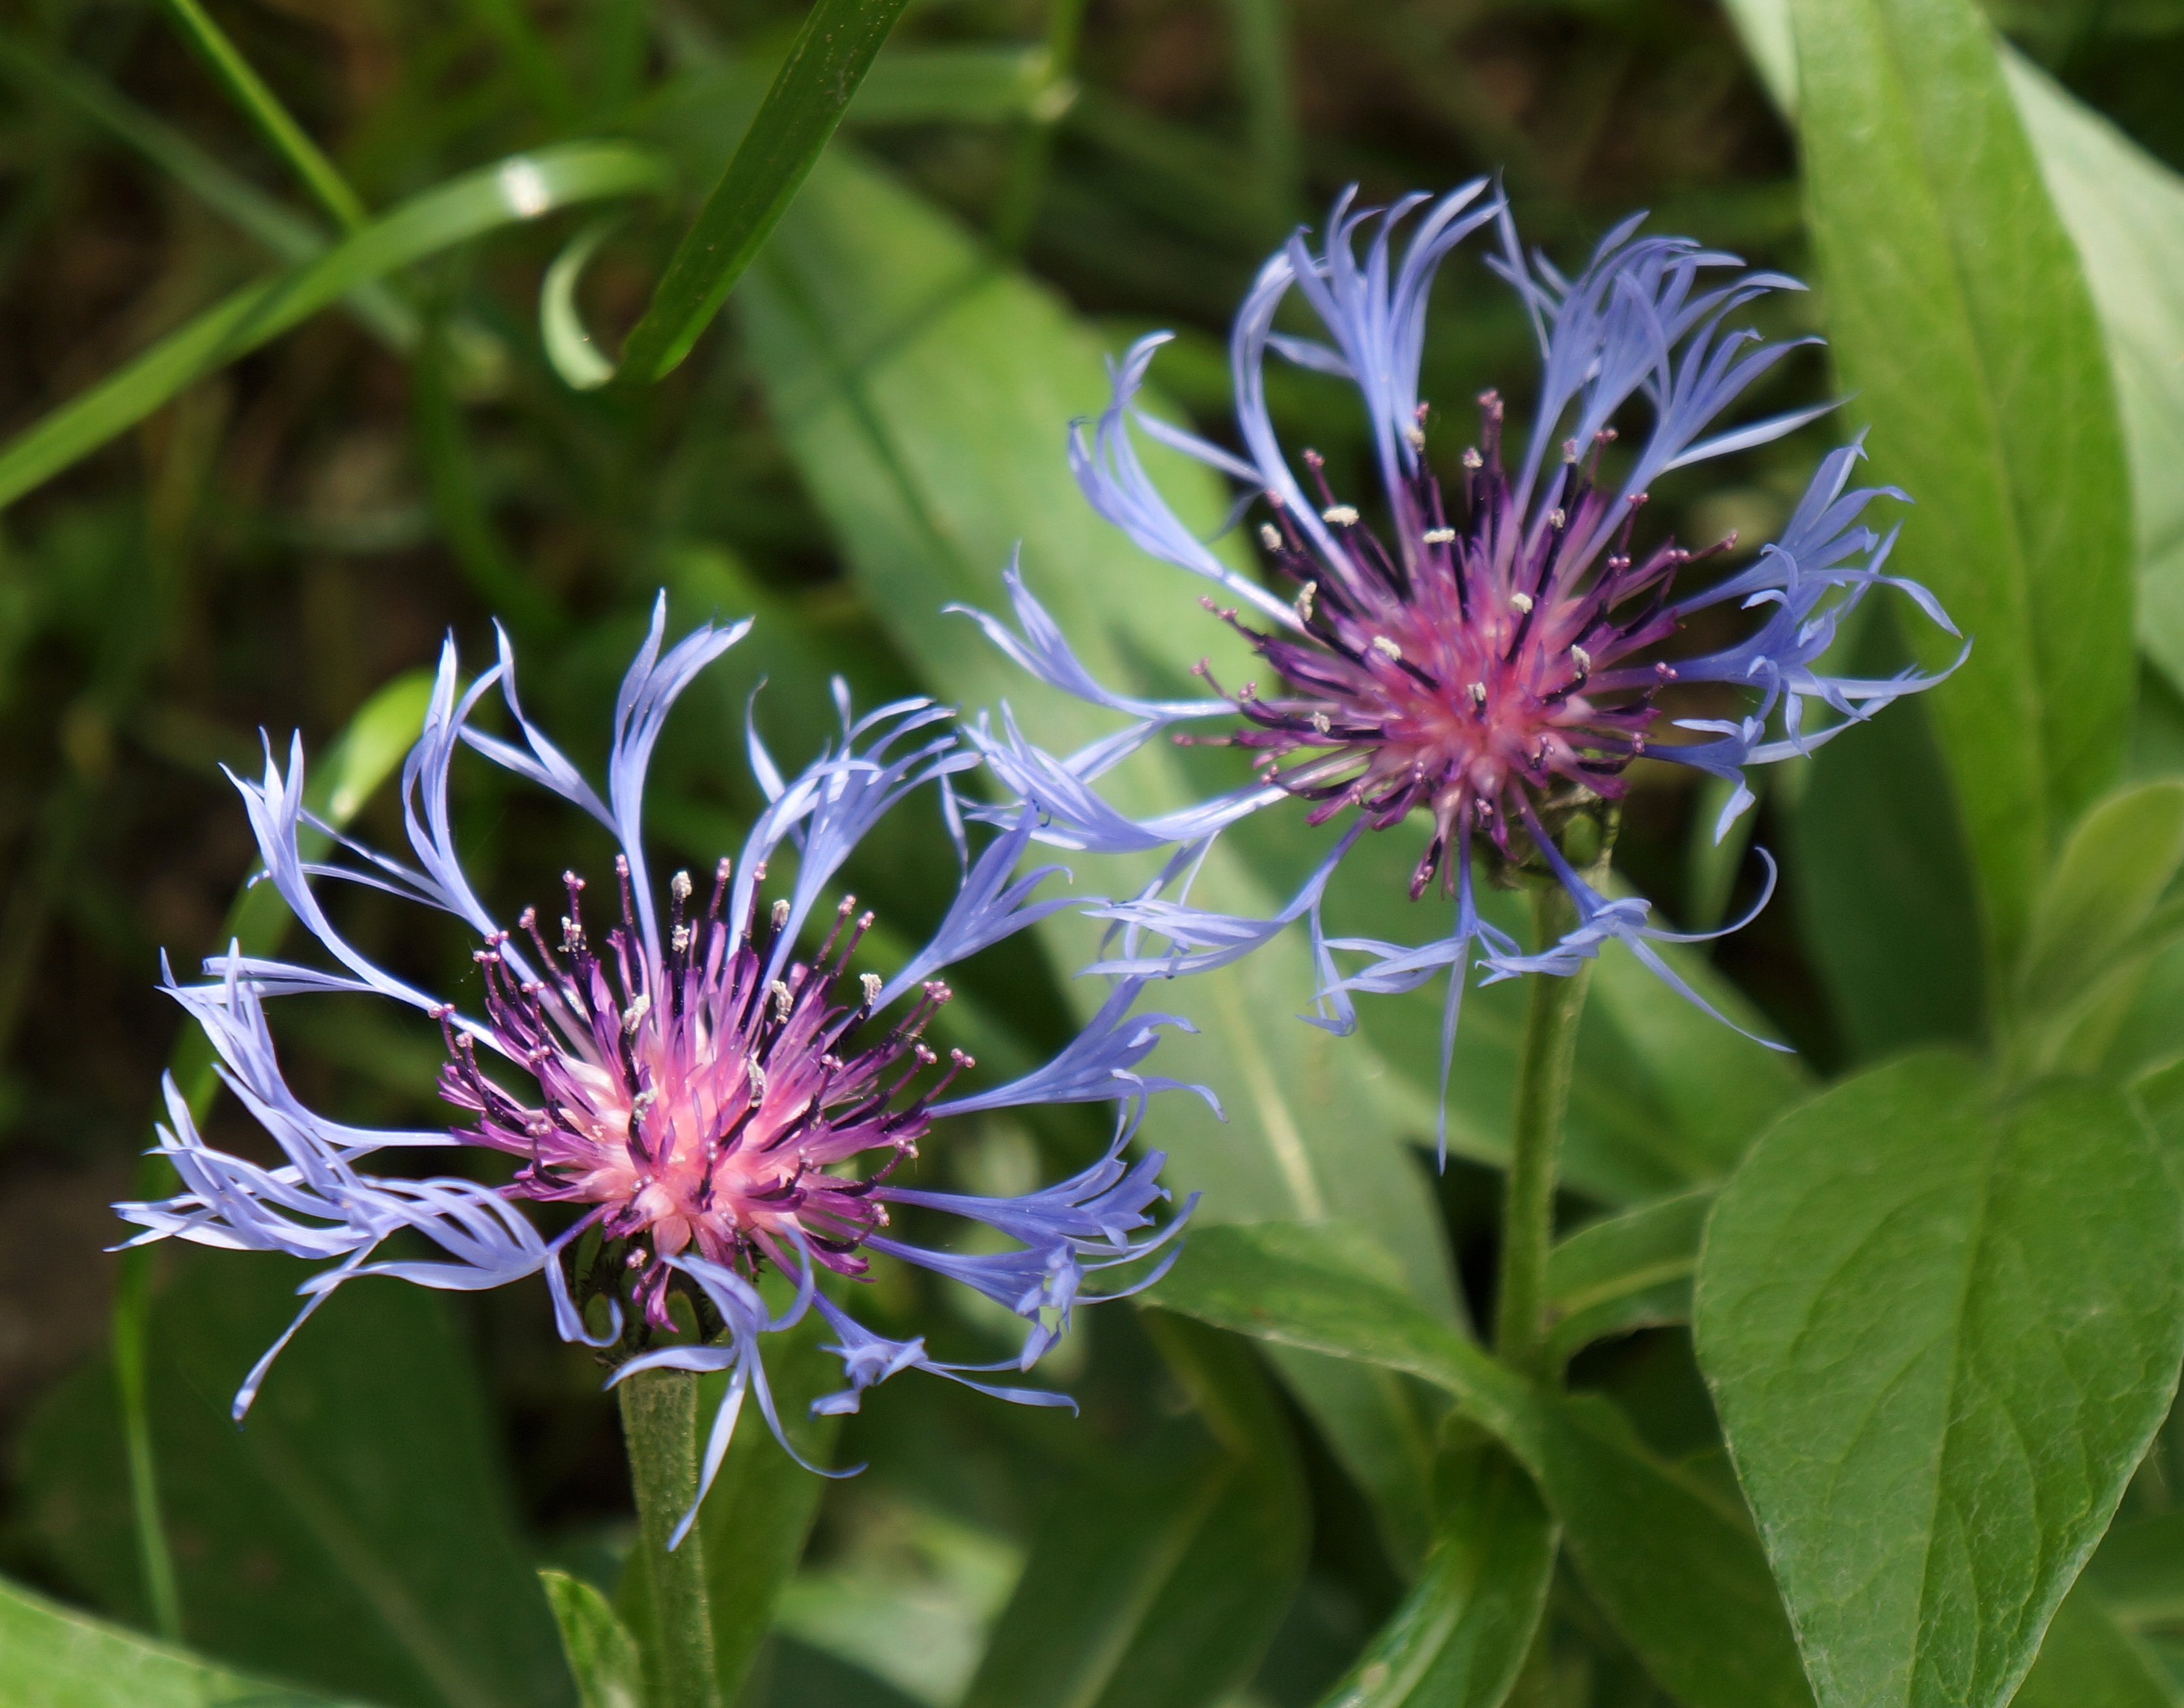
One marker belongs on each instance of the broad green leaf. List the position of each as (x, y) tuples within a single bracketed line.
[(523, 186), (1961, 322), (2124, 210), (1940, 1323), (2096, 930), (55, 1657), (830, 57), (356, 1536), (1627, 1271), (1157, 1582), (1460, 1637), (1885, 893), (1680, 1573), (601, 1653), (2089, 1660), (924, 394)]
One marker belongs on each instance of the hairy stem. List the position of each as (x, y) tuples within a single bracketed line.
[(666, 1604), (1543, 1081)]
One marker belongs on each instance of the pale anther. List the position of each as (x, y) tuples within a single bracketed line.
[(1342, 515)]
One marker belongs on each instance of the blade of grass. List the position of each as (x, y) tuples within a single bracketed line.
[(352, 770), (828, 60), (263, 108), (523, 186), (287, 234)]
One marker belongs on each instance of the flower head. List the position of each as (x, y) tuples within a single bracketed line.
[(1489, 644), (701, 1100)]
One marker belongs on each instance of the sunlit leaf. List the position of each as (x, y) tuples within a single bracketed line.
[(1942, 1323)]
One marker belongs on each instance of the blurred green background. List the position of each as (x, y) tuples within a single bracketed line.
[(1016, 187)]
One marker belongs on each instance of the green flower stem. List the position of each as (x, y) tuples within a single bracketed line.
[(670, 1612), (1543, 1083)]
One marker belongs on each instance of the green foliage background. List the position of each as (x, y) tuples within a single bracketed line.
[(309, 317)]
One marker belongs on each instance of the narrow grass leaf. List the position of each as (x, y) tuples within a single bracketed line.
[(831, 55), (523, 186)]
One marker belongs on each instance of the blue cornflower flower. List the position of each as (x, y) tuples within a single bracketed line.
[(1496, 655), (706, 1103)]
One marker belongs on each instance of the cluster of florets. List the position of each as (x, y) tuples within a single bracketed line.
[(1482, 672), (716, 1113)]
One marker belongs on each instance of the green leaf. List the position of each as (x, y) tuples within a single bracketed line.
[(2096, 902), (1460, 1637), (831, 55), (1156, 1581), (2096, 929), (2089, 1660), (1627, 1271), (54, 1657), (523, 186), (357, 1537), (2124, 210), (924, 394), (1885, 892), (1680, 1573), (1940, 1324), (1961, 322), (601, 1653)]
